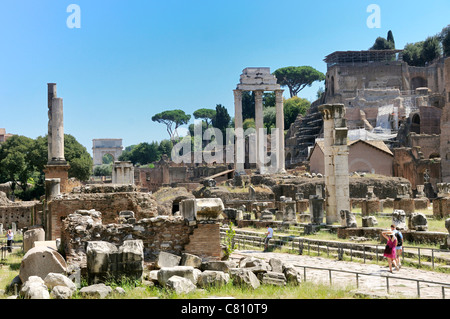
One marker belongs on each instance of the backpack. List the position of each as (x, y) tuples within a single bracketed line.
[(399, 239)]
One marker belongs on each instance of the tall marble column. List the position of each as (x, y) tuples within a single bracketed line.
[(337, 189), (280, 126), (259, 125), (57, 140), (51, 94), (57, 166), (239, 134)]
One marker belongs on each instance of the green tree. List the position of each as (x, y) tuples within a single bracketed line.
[(248, 123), (170, 118), (423, 52), (292, 108), (165, 147), (22, 161), (431, 49), (103, 170), (296, 78), (270, 117), (15, 161), (143, 153), (390, 38), (79, 159), (382, 44), (412, 54), (205, 114), (444, 37), (221, 120), (248, 105)]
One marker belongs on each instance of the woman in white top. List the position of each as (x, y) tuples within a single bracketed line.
[(9, 239)]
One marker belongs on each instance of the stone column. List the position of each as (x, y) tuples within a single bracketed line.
[(280, 127), (51, 93), (52, 189), (57, 141), (336, 162), (57, 166), (239, 134), (259, 125)]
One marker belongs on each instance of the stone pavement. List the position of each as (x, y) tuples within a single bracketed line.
[(373, 278)]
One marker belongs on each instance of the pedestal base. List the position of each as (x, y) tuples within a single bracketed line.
[(60, 171)]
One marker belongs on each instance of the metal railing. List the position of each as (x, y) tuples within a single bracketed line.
[(240, 243), (443, 285), (363, 251)]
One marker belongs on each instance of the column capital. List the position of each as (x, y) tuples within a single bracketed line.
[(237, 93)]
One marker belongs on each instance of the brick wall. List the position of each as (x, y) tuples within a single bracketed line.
[(205, 241)]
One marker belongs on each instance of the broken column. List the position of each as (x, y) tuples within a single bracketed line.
[(57, 166), (441, 204), (403, 201), (421, 201), (316, 203), (336, 162), (204, 214), (371, 204)]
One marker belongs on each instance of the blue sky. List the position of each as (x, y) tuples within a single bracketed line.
[(132, 59)]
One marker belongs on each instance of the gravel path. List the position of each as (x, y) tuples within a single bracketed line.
[(373, 285)]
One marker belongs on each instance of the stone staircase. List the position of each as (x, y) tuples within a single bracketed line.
[(303, 133)]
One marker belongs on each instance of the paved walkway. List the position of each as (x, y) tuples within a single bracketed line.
[(373, 285)]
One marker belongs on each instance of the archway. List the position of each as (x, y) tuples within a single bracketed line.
[(418, 82), (415, 123)]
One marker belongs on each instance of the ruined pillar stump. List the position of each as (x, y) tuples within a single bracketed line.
[(370, 207), (405, 204)]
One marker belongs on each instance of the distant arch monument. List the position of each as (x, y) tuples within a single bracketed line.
[(104, 146)]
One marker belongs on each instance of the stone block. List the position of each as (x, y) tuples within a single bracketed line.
[(40, 261), (369, 221), (97, 291), (418, 221), (223, 266), (32, 235), (272, 278), (165, 273), (244, 277), (180, 285), (190, 260), (166, 259), (212, 278), (34, 288)]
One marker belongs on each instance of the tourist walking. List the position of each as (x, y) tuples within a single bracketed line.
[(9, 239), (269, 235), (399, 248), (389, 251)]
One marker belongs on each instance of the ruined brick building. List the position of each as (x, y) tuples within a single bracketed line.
[(387, 100)]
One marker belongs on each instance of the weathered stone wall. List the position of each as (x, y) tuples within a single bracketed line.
[(24, 214), (162, 233), (110, 204)]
